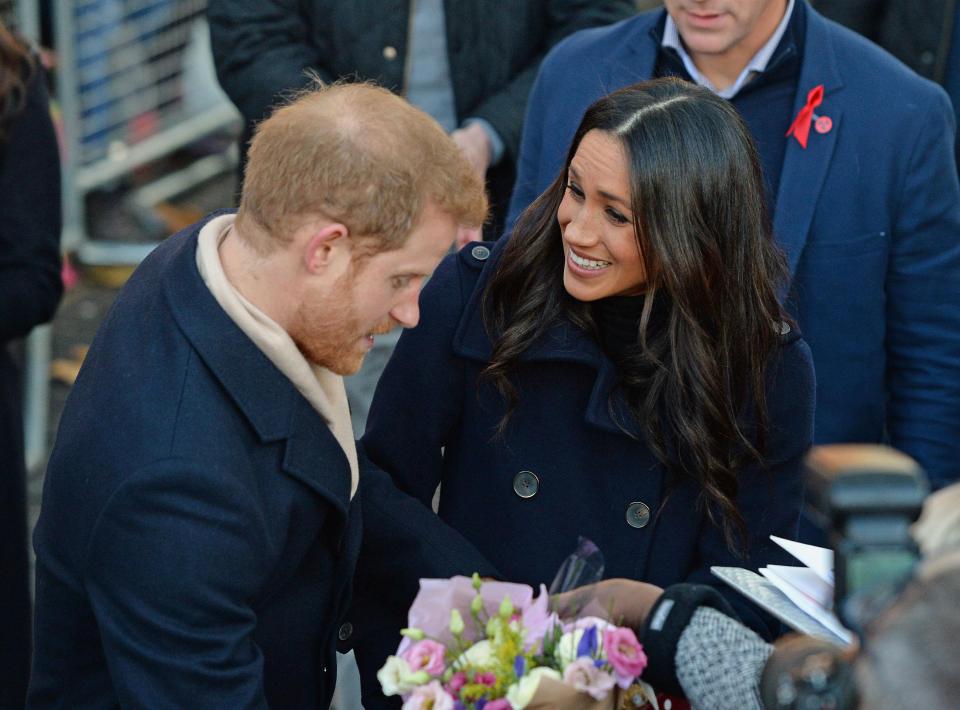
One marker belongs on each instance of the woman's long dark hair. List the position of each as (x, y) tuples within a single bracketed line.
[(16, 68), (697, 383)]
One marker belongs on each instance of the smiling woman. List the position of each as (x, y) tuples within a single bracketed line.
[(620, 367)]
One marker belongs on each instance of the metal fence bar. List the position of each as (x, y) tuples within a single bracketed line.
[(124, 100), (36, 399)]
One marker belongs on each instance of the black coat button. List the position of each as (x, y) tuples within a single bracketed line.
[(526, 484), (638, 514), (346, 630), (480, 252)]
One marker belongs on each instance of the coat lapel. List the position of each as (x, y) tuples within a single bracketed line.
[(805, 169), (269, 401), (639, 62)]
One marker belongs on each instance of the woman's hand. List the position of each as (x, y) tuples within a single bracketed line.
[(624, 602)]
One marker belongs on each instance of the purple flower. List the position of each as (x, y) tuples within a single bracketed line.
[(519, 666), (588, 643), (583, 675), (498, 704)]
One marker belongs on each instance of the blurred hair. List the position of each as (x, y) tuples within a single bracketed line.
[(359, 155), (911, 656), (16, 69), (697, 197)]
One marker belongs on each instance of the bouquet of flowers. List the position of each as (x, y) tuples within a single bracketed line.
[(475, 645)]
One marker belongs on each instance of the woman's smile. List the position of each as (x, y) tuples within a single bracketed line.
[(583, 263)]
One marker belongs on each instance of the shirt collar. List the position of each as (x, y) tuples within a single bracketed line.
[(759, 62)]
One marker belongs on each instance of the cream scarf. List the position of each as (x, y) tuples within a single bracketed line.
[(323, 389)]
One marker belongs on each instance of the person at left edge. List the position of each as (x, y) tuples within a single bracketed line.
[(201, 514), (30, 289)]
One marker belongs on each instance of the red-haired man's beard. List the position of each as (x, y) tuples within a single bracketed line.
[(332, 335)]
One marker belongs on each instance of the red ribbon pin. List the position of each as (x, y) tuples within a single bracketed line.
[(800, 128)]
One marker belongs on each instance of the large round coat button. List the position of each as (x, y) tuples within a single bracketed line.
[(638, 514), (346, 630), (480, 252), (389, 53), (526, 484)]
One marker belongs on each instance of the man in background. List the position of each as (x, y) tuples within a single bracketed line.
[(858, 157), (468, 63)]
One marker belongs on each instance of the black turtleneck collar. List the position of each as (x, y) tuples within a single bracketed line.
[(618, 322)]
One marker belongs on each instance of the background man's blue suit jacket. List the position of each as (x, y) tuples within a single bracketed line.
[(868, 215)]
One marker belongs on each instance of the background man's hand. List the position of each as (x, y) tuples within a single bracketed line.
[(474, 143)]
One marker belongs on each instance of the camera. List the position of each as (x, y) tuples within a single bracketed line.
[(866, 497)]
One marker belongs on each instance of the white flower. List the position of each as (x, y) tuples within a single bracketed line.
[(429, 697), (521, 693), (396, 678), (479, 655), (584, 675)]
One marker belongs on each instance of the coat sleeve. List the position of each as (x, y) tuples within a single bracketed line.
[(261, 49), (172, 566), (416, 407), (30, 284), (770, 497), (404, 541), (923, 303), (504, 110)]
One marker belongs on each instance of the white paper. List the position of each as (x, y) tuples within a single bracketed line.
[(762, 592), (805, 603), (819, 559), (807, 582)]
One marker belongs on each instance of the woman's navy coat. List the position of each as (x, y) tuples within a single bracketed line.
[(433, 420)]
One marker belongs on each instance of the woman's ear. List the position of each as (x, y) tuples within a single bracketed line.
[(326, 246)]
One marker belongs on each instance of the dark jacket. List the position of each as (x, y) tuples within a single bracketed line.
[(917, 32), (563, 467), (263, 48), (197, 540), (30, 289), (868, 215)]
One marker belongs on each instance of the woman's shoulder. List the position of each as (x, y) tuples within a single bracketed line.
[(791, 377), (454, 291)]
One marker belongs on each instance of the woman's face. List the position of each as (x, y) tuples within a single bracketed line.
[(600, 248)]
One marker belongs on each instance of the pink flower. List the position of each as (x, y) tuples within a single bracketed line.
[(431, 696), (584, 675), (486, 678), (430, 611), (498, 704), (537, 619), (624, 653), (426, 656), (456, 682)]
